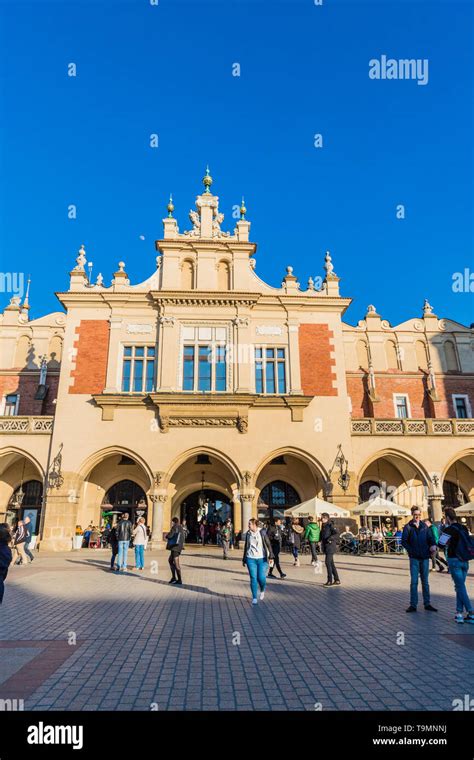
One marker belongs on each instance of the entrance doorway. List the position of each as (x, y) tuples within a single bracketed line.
[(213, 506), (124, 496), (26, 501)]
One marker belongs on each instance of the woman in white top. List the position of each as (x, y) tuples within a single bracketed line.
[(258, 556), (140, 540)]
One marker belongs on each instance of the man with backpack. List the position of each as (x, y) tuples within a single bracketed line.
[(312, 533), (460, 550), (419, 543)]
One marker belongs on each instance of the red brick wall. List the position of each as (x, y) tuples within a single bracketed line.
[(92, 343), (316, 364), (27, 385), (420, 404)]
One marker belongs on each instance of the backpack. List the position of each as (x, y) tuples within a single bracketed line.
[(465, 547)]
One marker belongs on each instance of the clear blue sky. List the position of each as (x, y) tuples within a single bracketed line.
[(167, 69)]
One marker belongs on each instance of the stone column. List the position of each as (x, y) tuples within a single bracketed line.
[(435, 507), (246, 501), (158, 500)]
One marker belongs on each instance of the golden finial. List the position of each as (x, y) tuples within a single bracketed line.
[(207, 180), (243, 210), (170, 206)]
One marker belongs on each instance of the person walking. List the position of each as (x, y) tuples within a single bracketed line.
[(203, 531), (226, 537), (436, 559), (297, 532), (123, 530), (258, 557), (113, 543), (419, 543), (5, 556), (29, 536), (459, 550), (313, 534), (19, 539), (275, 535), (175, 543), (140, 540), (329, 538)]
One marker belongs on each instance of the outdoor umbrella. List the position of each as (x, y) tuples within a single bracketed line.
[(315, 507), (466, 510), (380, 507)]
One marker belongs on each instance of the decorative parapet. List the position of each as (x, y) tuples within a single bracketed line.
[(38, 425), (371, 426)]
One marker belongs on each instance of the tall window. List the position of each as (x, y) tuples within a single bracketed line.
[(204, 359), (270, 370), (275, 498), (462, 407), (401, 406), (138, 371), (11, 404)]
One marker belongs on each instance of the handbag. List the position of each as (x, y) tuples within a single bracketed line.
[(172, 542)]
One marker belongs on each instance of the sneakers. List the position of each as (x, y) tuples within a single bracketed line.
[(411, 608), (469, 617), (314, 563), (173, 580), (262, 595), (254, 601), (337, 583), (327, 584), (283, 575), (459, 618), (430, 608)]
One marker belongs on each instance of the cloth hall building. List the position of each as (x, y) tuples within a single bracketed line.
[(204, 380)]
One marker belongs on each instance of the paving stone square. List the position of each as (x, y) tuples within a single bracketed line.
[(75, 636)]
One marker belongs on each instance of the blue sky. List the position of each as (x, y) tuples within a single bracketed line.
[(167, 69)]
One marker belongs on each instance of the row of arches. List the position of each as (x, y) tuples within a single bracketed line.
[(394, 355), (114, 480), (188, 275)]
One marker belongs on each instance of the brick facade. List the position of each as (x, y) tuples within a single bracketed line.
[(421, 405), (26, 384), (316, 363), (92, 344)]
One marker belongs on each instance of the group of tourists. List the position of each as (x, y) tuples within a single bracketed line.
[(446, 545)]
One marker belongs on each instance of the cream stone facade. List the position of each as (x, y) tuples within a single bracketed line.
[(139, 394)]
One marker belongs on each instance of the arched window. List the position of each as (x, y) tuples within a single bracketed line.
[(362, 355), (26, 501), (453, 495), (187, 275), (369, 490), (223, 276), (450, 356), (125, 496), (275, 498), (24, 351), (55, 350), (391, 354), (421, 355)]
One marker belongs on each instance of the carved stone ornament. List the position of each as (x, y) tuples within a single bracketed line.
[(246, 478), (242, 424), (167, 321), (241, 321)]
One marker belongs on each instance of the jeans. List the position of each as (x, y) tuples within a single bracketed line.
[(437, 560), (419, 568), (140, 556), (258, 569), (225, 547), (314, 551), (276, 548), (459, 570), (114, 555), (122, 554), (331, 567), (27, 551), (294, 551)]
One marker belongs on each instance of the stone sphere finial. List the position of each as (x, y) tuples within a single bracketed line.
[(170, 207), (207, 180)]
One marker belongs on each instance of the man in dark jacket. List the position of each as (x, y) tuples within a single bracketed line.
[(275, 536), (29, 536), (19, 539), (329, 538), (419, 543), (124, 533)]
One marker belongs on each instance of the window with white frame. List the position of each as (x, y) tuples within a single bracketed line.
[(270, 370), (204, 359), (402, 406), (462, 406), (10, 404), (138, 369)]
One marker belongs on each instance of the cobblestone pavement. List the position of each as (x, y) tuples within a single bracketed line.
[(73, 635)]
